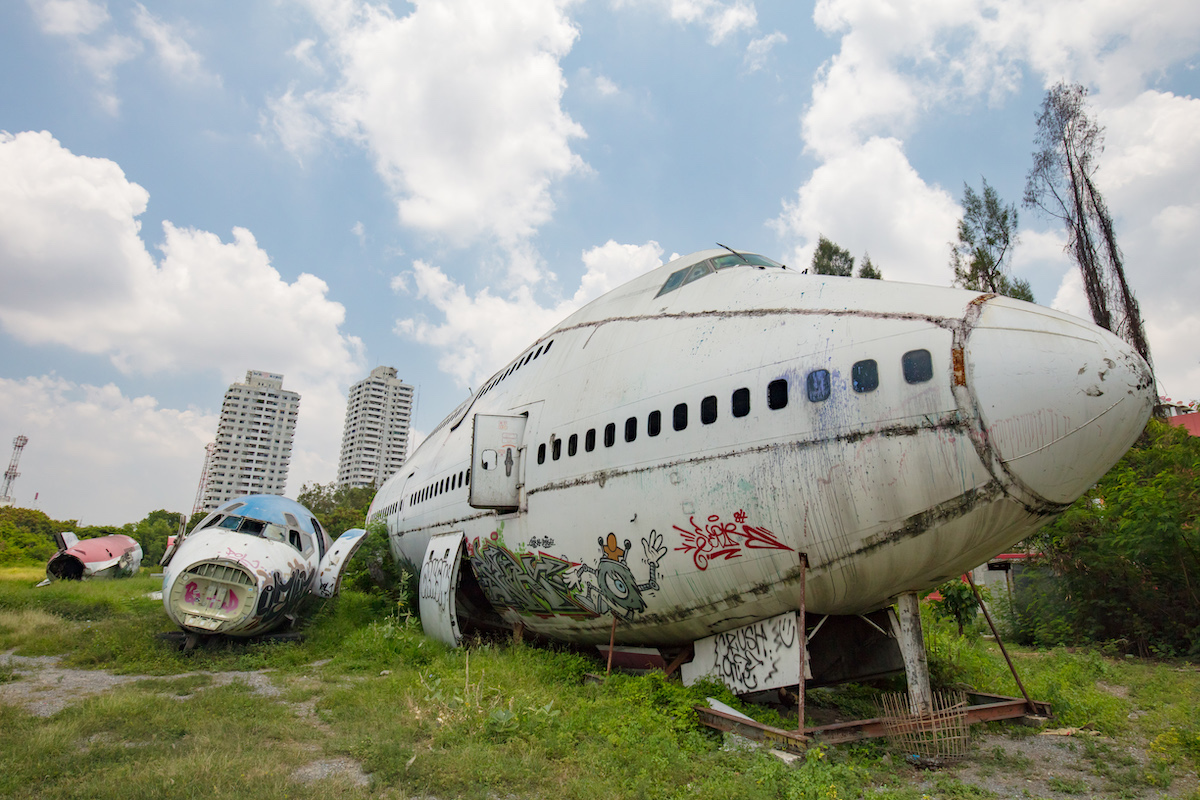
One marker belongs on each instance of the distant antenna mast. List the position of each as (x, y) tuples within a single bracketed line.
[(11, 473), (209, 450)]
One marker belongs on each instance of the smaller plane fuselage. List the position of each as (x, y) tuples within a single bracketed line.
[(245, 569)]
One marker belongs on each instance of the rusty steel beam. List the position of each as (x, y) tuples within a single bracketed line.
[(983, 708), (788, 741)]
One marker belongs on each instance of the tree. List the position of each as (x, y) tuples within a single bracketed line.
[(337, 508), (987, 236), (829, 259), (1126, 555), (1061, 184), (868, 270)]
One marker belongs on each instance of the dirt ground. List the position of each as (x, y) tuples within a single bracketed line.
[(1063, 764)]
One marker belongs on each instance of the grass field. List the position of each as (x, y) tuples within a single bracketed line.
[(366, 706)]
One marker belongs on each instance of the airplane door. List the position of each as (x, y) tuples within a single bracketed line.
[(496, 449), (439, 583)]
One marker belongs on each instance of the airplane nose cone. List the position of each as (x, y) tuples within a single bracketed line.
[(1060, 399)]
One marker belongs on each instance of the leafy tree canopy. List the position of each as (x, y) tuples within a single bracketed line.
[(987, 236), (867, 269), (1127, 555), (338, 508), (829, 259)]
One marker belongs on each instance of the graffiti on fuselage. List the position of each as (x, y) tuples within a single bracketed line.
[(610, 587), (537, 583), (527, 582), (279, 595), (750, 656), (435, 578), (717, 539)]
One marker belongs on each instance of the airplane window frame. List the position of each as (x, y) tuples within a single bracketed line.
[(654, 423), (917, 366), (813, 386), (739, 402), (708, 410), (775, 399), (610, 434), (572, 445), (864, 376), (679, 417), (589, 440), (631, 429)]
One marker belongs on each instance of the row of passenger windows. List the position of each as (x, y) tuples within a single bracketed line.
[(440, 487), (520, 362), (917, 366)]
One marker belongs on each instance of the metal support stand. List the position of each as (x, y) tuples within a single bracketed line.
[(802, 636), (612, 640), (912, 648), (1033, 709)]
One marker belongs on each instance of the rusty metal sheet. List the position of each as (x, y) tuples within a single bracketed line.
[(789, 741), (983, 708)]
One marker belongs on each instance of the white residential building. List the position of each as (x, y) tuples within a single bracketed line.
[(375, 436), (254, 440)]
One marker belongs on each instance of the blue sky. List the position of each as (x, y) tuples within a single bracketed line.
[(190, 190)]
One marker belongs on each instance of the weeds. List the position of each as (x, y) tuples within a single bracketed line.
[(495, 719)]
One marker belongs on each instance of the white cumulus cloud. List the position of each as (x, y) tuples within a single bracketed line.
[(78, 274), (458, 103), (479, 333), (98, 455)]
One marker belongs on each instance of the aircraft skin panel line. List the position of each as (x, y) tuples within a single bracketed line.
[(685, 437)]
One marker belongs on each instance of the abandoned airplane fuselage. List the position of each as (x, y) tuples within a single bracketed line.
[(246, 568), (666, 454), (112, 556)]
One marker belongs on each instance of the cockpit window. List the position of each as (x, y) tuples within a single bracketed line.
[(230, 523), (698, 271), (682, 277), (674, 281), (252, 526)]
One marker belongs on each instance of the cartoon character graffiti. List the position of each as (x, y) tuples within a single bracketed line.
[(610, 586)]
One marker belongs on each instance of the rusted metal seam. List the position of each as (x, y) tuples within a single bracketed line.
[(968, 406)]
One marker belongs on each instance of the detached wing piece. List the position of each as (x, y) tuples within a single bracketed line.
[(333, 565)]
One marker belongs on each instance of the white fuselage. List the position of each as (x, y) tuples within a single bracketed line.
[(898, 478)]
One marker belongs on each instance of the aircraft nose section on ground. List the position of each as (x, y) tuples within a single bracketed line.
[(1061, 400)]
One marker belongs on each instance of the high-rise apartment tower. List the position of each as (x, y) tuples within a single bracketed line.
[(375, 436), (254, 440)]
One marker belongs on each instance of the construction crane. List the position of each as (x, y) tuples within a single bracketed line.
[(209, 450), (11, 474)]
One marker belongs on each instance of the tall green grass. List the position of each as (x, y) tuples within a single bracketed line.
[(494, 719)]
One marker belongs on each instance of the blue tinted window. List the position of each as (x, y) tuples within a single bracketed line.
[(817, 385), (918, 366), (864, 376)]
